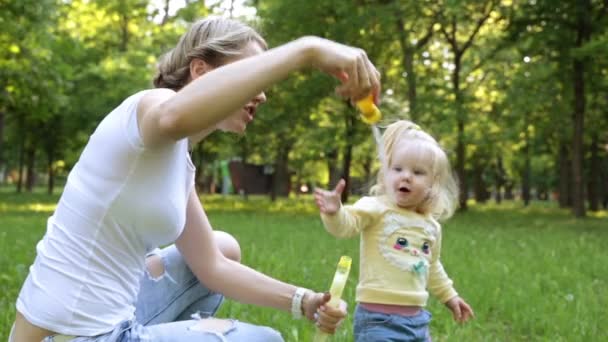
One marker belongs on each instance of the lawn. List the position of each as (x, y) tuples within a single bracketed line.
[(531, 274)]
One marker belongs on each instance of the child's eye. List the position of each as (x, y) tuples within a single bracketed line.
[(426, 248), (397, 168), (419, 172), (402, 242)]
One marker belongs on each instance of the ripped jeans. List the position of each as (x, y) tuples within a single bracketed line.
[(177, 307)]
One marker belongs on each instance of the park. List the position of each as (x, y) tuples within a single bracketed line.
[(515, 92)]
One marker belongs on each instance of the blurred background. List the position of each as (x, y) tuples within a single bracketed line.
[(516, 91)]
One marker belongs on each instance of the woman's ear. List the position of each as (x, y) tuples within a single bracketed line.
[(198, 68)]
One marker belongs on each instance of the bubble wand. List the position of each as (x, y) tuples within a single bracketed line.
[(370, 114), (337, 286)]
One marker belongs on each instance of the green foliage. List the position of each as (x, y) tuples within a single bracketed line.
[(531, 274), (65, 64)]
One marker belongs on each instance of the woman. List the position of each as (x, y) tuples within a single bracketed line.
[(133, 190)]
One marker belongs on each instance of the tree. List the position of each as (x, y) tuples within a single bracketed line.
[(457, 16)]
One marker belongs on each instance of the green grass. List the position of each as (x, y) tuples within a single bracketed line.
[(531, 274)]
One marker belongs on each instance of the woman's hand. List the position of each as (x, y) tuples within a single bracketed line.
[(460, 309), (329, 202), (326, 317), (349, 64)]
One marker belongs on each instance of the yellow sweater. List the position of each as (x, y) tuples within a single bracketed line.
[(399, 253)]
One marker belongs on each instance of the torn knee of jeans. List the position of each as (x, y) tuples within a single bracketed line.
[(155, 267), (212, 325)]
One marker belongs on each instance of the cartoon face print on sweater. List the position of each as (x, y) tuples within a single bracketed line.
[(407, 243)]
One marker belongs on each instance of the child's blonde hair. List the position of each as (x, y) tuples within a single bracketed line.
[(443, 196), (213, 40)]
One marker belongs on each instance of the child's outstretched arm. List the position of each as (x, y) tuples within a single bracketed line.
[(461, 310), (343, 221), (329, 202)]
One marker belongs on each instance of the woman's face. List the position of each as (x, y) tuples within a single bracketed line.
[(237, 122)]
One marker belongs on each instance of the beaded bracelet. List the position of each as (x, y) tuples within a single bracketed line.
[(296, 303)]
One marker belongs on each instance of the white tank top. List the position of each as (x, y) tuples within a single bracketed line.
[(120, 201)]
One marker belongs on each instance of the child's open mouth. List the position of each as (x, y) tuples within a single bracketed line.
[(404, 189)]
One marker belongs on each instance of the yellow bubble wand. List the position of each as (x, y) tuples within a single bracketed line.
[(370, 114), (336, 289)]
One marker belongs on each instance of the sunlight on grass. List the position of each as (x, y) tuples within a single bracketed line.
[(31, 207), (298, 205), (599, 214)]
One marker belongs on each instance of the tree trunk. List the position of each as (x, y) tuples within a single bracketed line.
[(509, 190), (578, 118), (197, 157), (525, 184), (1, 146), (500, 181), (367, 168), (479, 184), (460, 147), (30, 160), (280, 186), (461, 116), (411, 85), (604, 182), (50, 170), (594, 176), (333, 171), (525, 181), (578, 196), (408, 65), (231, 10), (166, 15), (565, 184), (124, 26), (21, 162), (348, 153)]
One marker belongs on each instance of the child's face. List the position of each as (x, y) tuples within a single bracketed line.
[(409, 176)]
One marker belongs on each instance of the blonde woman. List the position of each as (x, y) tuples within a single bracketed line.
[(98, 275), (400, 237)]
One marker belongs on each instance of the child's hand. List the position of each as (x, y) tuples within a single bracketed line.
[(460, 309), (325, 317), (329, 201)]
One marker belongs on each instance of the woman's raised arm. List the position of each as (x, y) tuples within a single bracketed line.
[(208, 99)]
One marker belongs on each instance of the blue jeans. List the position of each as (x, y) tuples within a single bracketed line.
[(372, 326), (177, 307)]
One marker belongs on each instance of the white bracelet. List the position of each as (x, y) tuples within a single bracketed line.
[(296, 303)]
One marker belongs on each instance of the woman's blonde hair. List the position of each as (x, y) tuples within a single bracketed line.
[(213, 40), (443, 196)]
